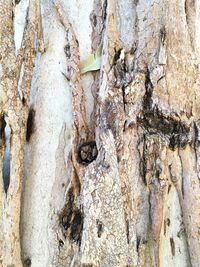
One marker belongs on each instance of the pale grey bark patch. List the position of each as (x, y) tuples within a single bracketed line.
[(127, 18)]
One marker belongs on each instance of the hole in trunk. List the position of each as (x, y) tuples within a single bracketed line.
[(87, 152)]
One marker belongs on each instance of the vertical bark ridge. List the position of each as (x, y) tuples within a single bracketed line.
[(16, 116)]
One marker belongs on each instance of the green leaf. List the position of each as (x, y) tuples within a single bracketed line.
[(92, 62)]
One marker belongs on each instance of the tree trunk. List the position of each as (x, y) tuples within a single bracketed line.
[(99, 155)]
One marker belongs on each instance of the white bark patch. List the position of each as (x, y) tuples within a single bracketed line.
[(53, 109), (20, 21)]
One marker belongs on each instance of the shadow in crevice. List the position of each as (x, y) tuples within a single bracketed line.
[(6, 158)]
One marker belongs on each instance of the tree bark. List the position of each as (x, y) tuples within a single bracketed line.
[(104, 164)]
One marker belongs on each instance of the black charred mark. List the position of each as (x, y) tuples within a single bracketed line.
[(27, 262), (168, 222), (67, 51), (172, 244), (30, 124), (71, 220), (87, 152), (155, 122), (99, 228)]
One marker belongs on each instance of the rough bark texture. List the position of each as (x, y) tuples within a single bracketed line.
[(99, 169)]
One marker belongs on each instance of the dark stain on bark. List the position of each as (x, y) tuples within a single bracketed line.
[(67, 51), (169, 188), (27, 262), (153, 121), (71, 219), (30, 127), (17, 2), (165, 227), (172, 244), (143, 161), (163, 34), (140, 241), (99, 228)]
